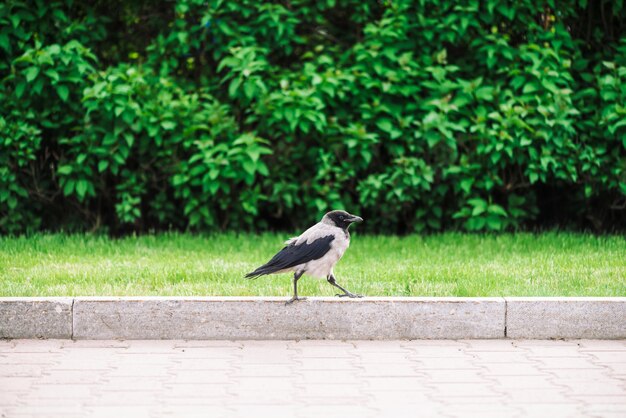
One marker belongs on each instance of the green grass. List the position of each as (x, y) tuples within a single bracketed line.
[(552, 264)]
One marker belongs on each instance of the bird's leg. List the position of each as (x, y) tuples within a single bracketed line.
[(295, 297), (331, 280)]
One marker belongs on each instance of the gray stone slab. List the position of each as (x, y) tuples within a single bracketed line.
[(592, 318), (36, 317), (269, 319)]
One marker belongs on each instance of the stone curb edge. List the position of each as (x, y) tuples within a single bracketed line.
[(267, 318)]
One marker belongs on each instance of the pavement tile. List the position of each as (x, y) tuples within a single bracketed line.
[(267, 397), (197, 411), (606, 357), (263, 370), (263, 410), (451, 375), (539, 395), (65, 391), (173, 402), (329, 376), (614, 368), (10, 398), (433, 343), (62, 377), (120, 411), (327, 411), (551, 410), (29, 358), (204, 352), (463, 389), (331, 390), (44, 411), (84, 363), (501, 357), (408, 383), (484, 409), (33, 346), (264, 355), (17, 384), (75, 344), (132, 383), (195, 390), (322, 343), (203, 363), (446, 363), (596, 375), (322, 351), (123, 398), (149, 346), (330, 363), (398, 396), (378, 358), (535, 352), (591, 387), (488, 345), (468, 378), (23, 370), (602, 399), (388, 369), (604, 408), (61, 401), (566, 363), (546, 343), (602, 345), (138, 369), (412, 410), (437, 352), (525, 382), (200, 376), (263, 383), (210, 343)]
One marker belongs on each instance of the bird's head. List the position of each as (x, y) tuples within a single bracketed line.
[(340, 218)]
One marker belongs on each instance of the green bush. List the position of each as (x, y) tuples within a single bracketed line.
[(419, 115)]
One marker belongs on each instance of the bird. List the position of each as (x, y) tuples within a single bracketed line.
[(315, 252)]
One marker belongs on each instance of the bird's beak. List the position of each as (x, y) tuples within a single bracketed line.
[(356, 219)]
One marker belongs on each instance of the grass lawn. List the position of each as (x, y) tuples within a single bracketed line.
[(551, 264)]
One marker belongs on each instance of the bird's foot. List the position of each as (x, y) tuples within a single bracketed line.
[(293, 299), (349, 295)]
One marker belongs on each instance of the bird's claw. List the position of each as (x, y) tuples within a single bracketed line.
[(292, 300), (349, 295)]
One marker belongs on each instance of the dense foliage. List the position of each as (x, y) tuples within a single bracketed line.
[(418, 115)]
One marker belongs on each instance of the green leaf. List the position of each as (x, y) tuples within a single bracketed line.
[(494, 223), (168, 125), (385, 125), (19, 89), (102, 165), (249, 166), (4, 42), (81, 188), (497, 210), (31, 73), (64, 169), (68, 188), (63, 92)]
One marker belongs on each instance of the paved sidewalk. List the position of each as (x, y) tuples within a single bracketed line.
[(474, 378)]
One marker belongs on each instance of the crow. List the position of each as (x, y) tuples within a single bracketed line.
[(315, 252)]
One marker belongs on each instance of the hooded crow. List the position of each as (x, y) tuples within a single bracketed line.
[(315, 252)]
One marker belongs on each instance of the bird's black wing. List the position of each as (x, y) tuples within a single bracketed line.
[(293, 255)]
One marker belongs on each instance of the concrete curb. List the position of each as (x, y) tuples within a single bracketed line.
[(250, 318), (593, 318), (36, 317)]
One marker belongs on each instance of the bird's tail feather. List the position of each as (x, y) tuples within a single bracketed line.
[(261, 271)]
